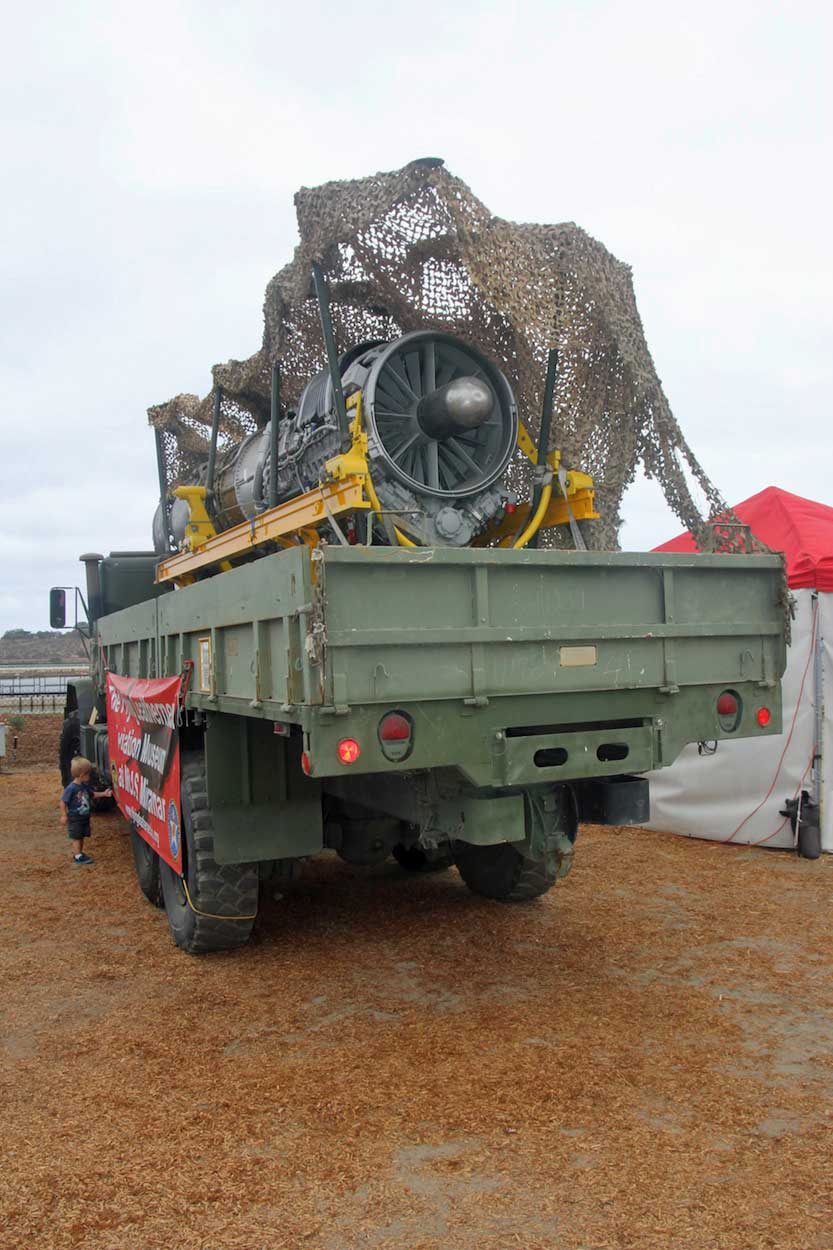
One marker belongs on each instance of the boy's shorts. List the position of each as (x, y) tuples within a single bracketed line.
[(78, 830)]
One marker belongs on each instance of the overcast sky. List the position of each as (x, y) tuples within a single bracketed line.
[(150, 153)]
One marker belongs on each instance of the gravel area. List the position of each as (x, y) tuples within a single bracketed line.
[(641, 1060)]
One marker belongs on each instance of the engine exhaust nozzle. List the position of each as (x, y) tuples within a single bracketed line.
[(461, 405)]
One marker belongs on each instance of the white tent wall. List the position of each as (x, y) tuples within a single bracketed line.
[(730, 796)]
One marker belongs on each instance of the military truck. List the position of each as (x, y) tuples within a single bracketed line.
[(346, 639), (464, 707)]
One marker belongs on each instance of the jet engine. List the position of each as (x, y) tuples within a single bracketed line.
[(441, 424)]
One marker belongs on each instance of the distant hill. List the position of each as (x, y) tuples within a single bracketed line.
[(41, 647)]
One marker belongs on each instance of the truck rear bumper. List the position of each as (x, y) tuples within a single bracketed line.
[(534, 739)]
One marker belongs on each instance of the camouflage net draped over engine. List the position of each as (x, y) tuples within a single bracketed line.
[(415, 249)]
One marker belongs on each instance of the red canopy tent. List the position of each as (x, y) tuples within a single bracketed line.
[(739, 795), (801, 528)]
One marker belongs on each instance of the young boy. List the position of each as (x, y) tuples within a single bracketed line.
[(76, 804)]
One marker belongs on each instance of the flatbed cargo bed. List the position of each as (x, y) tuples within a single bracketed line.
[(599, 651)]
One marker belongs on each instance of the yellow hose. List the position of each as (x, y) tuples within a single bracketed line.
[(535, 523)]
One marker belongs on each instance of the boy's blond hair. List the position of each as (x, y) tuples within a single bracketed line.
[(79, 767)]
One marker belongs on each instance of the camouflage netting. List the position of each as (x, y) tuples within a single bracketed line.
[(415, 249)]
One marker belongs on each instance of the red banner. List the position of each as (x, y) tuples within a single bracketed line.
[(143, 737)]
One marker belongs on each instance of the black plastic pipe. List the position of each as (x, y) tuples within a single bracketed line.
[(162, 470), (544, 434), (273, 434), (212, 447), (323, 297)]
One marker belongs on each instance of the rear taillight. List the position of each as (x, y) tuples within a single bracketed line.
[(394, 728), (728, 711), (763, 716), (348, 750), (396, 736)]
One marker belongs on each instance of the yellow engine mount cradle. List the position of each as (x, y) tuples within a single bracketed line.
[(529, 449), (579, 500), (200, 527), (355, 461), (348, 488), (295, 521)]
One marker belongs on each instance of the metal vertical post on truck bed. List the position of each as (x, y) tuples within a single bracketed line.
[(212, 447), (332, 354), (161, 468), (544, 433), (273, 434)]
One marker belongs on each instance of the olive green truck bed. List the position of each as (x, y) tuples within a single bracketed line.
[(530, 688)]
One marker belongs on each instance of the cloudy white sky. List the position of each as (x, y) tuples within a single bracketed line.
[(150, 153)]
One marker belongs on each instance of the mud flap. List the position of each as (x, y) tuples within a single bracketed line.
[(262, 805)]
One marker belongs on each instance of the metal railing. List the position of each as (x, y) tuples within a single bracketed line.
[(35, 691)]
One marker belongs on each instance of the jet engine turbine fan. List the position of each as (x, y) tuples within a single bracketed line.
[(441, 425)]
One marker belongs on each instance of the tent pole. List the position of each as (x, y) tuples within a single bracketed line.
[(818, 697)]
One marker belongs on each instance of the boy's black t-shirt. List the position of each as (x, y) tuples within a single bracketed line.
[(78, 797)]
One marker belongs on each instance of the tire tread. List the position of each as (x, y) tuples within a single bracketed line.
[(501, 872), (224, 890)]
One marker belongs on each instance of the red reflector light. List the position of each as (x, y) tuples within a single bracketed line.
[(510, 508), (394, 728), (763, 716), (348, 750), (727, 705), (305, 764)]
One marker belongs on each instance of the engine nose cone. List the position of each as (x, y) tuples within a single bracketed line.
[(456, 407), (468, 402)]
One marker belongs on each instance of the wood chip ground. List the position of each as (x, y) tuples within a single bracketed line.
[(641, 1060)]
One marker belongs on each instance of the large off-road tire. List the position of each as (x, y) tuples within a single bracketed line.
[(69, 746), (502, 872), (217, 911), (415, 859), (146, 863)]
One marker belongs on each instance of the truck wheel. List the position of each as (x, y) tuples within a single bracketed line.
[(146, 863), (501, 872), (69, 746), (218, 909), (101, 783), (415, 859)]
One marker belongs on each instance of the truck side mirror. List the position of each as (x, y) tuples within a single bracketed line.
[(58, 608)]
